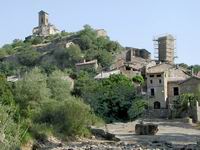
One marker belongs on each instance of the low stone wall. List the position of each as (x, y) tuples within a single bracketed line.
[(156, 113)]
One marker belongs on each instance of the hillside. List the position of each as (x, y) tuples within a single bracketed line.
[(61, 51), (43, 94), (45, 91)]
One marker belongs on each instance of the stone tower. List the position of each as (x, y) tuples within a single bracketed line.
[(43, 18), (165, 45), (44, 28)]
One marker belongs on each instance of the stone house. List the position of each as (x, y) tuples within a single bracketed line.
[(132, 62), (106, 74), (136, 52), (87, 65), (191, 85), (163, 84)]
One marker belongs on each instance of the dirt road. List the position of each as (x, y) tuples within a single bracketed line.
[(175, 132)]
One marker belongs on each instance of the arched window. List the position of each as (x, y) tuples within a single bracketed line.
[(157, 105)]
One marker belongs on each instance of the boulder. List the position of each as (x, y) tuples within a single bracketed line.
[(146, 129), (103, 134)]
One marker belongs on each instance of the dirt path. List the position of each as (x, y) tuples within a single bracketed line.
[(171, 135), (175, 132)]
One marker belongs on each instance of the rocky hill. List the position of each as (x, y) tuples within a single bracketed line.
[(61, 51)]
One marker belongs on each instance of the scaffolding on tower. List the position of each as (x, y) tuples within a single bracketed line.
[(165, 46)]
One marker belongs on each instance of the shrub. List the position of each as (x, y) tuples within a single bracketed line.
[(110, 98), (31, 92), (138, 79), (70, 117), (137, 108), (6, 96), (9, 130), (59, 86), (29, 57)]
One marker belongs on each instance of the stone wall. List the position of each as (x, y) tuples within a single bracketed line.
[(191, 85), (156, 113)]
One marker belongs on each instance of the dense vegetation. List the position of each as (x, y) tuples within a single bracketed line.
[(20, 56), (110, 98), (39, 106), (41, 102)]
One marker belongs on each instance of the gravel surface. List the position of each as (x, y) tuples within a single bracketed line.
[(175, 132), (172, 135)]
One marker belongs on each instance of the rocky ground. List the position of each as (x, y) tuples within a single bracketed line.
[(172, 135)]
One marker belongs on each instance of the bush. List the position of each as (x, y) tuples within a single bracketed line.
[(29, 57), (9, 130), (59, 86), (6, 96), (70, 117), (138, 79), (40, 132), (110, 98), (31, 92), (137, 108)]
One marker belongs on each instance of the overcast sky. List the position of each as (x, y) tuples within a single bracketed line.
[(130, 22)]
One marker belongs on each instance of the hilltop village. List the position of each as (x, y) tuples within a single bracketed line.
[(61, 85), (164, 80)]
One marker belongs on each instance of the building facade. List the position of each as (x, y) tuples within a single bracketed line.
[(163, 84), (87, 65)]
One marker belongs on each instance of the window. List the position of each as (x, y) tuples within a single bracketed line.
[(176, 91), (128, 68), (151, 81), (151, 76), (42, 20), (160, 81), (152, 92), (158, 75), (157, 105)]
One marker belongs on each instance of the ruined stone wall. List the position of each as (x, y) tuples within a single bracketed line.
[(156, 113), (190, 86)]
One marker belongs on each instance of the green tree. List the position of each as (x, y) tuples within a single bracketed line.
[(137, 108), (9, 130), (70, 117), (84, 84), (110, 98), (3, 53), (59, 86), (6, 96), (69, 56), (31, 91), (9, 68), (105, 58), (113, 46), (138, 79), (29, 57), (181, 104)]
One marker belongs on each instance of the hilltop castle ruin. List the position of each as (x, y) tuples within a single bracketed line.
[(44, 28)]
